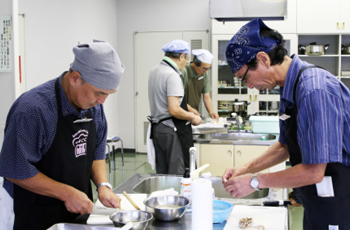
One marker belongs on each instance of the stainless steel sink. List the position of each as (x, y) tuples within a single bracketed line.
[(152, 184), (239, 136)]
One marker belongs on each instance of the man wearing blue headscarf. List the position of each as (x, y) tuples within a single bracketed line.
[(314, 128), (171, 130)]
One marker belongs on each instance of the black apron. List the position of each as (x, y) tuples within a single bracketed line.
[(69, 161), (194, 89), (319, 212), (184, 132)]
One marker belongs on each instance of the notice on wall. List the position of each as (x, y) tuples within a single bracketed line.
[(6, 52)]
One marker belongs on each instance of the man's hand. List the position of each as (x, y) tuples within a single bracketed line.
[(214, 116), (78, 202), (108, 198), (196, 120), (233, 172), (193, 110), (239, 186)]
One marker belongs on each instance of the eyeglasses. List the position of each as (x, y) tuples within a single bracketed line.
[(204, 69), (245, 74)]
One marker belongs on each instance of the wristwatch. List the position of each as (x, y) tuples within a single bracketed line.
[(254, 182), (104, 184)]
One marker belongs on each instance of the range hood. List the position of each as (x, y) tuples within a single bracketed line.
[(245, 10)]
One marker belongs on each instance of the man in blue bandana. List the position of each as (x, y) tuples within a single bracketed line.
[(314, 128)]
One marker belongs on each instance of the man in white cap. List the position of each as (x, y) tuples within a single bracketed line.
[(196, 82), (171, 130), (54, 144)]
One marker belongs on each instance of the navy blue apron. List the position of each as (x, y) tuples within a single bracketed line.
[(184, 132), (319, 212), (69, 161)]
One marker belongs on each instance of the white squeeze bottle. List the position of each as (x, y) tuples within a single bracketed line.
[(206, 176), (186, 182)]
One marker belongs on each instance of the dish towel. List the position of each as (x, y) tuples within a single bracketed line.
[(151, 152)]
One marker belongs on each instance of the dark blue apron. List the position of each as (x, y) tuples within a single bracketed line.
[(69, 161), (319, 212)]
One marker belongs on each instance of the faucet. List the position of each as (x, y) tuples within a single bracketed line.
[(192, 159), (238, 121)]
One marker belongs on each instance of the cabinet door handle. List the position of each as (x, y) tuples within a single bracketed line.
[(343, 27), (337, 25), (229, 153), (239, 153), (250, 98), (256, 98)]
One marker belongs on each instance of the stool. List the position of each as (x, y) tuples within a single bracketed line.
[(113, 140)]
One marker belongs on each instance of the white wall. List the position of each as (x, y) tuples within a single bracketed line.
[(54, 27), (150, 15), (7, 82)]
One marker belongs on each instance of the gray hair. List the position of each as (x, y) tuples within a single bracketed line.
[(175, 55)]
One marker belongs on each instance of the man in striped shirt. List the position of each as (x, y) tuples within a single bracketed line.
[(314, 126)]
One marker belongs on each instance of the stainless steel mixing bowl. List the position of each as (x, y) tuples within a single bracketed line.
[(167, 208), (140, 219)]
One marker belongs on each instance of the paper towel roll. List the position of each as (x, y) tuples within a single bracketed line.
[(202, 205)]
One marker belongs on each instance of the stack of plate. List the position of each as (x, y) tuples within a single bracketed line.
[(221, 105)]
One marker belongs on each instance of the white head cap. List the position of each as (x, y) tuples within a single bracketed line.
[(203, 55)]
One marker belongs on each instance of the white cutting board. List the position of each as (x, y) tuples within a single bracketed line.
[(272, 218), (125, 205)]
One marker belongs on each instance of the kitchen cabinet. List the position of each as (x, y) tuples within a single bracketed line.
[(245, 153), (333, 60), (317, 17), (223, 156), (219, 156), (226, 88)]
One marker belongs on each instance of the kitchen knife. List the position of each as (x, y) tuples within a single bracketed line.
[(102, 210)]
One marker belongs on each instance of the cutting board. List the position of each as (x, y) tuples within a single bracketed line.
[(125, 205), (272, 218)]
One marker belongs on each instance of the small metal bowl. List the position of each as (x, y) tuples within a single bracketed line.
[(167, 208), (140, 219)]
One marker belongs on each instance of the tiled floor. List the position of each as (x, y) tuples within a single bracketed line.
[(138, 163)]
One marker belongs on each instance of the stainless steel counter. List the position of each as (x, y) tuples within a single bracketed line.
[(185, 222), (236, 138)]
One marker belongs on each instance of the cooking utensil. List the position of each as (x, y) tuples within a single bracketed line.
[(345, 49), (221, 210), (128, 226), (237, 106), (131, 201), (195, 173), (102, 210), (313, 49), (140, 219), (167, 208)]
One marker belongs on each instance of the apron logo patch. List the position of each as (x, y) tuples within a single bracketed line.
[(80, 142)]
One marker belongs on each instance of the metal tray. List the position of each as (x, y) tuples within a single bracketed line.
[(64, 226)]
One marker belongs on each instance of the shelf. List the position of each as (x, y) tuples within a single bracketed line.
[(324, 55)]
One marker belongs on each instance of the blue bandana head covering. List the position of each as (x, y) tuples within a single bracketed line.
[(246, 43)]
